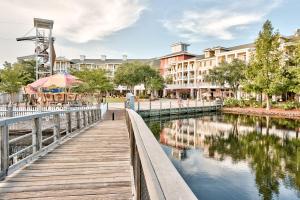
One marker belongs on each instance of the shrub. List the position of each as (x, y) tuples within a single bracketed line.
[(289, 105), (143, 96), (231, 102)]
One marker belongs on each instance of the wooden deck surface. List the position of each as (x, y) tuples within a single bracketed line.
[(93, 165)]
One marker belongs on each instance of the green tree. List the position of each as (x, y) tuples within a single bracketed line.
[(169, 79), (94, 82), (132, 74), (265, 73), (146, 74), (156, 83), (11, 81), (296, 55), (127, 75), (228, 73), (294, 70), (27, 68)]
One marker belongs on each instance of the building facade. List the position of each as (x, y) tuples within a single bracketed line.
[(188, 75), (109, 65), (186, 72)]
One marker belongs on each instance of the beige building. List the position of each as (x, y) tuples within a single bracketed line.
[(187, 75), (61, 64), (109, 65)]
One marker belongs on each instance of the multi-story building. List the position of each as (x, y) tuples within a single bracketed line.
[(186, 72), (188, 75), (109, 65), (61, 64)]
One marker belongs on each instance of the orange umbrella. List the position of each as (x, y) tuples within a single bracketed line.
[(56, 81), (61, 81)]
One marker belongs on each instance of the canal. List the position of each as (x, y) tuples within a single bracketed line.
[(227, 156)]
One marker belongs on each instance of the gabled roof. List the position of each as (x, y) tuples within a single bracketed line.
[(177, 54), (152, 61), (243, 46)]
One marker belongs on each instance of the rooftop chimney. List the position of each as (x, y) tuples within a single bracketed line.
[(124, 57), (179, 46), (82, 57), (103, 57)]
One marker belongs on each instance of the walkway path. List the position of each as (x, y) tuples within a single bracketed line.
[(93, 165)]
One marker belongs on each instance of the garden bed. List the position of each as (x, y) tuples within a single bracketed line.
[(274, 112)]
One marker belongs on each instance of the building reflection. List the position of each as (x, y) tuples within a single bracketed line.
[(270, 146), (184, 134)]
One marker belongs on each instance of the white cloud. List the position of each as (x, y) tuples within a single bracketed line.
[(76, 20), (222, 21)]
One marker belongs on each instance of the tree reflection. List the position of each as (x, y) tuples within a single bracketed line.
[(272, 159)]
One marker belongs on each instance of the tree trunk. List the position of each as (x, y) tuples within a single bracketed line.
[(10, 96), (267, 125), (268, 103)]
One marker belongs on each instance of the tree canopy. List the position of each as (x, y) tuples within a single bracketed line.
[(265, 73), (228, 73), (11, 80), (94, 81), (132, 74), (128, 75)]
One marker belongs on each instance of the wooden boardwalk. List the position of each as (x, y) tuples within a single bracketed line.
[(93, 165)]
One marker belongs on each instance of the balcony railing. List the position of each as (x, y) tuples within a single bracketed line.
[(194, 86)]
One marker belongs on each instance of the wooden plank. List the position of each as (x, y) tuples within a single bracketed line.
[(123, 191), (93, 165)]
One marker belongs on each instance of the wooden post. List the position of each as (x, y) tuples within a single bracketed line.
[(9, 112), (37, 135), (84, 118), (69, 123), (78, 120), (159, 107), (132, 143), (100, 114), (88, 117), (93, 116), (96, 115), (137, 174), (150, 107), (180, 107), (4, 151), (56, 129)]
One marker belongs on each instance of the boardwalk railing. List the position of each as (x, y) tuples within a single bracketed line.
[(22, 110), (166, 108), (155, 177), (38, 134)]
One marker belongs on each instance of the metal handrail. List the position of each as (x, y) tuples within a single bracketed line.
[(155, 177), (10, 161)]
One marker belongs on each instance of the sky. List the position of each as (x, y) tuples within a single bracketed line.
[(141, 28)]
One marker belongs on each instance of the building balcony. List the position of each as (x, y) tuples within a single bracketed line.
[(194, 86)]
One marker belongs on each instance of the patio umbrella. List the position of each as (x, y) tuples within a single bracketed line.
[(60, 81), (38, 83)]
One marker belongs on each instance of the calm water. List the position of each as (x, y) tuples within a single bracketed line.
[(226, 156)]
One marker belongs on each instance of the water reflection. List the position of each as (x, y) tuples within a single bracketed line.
[(237, 156)]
